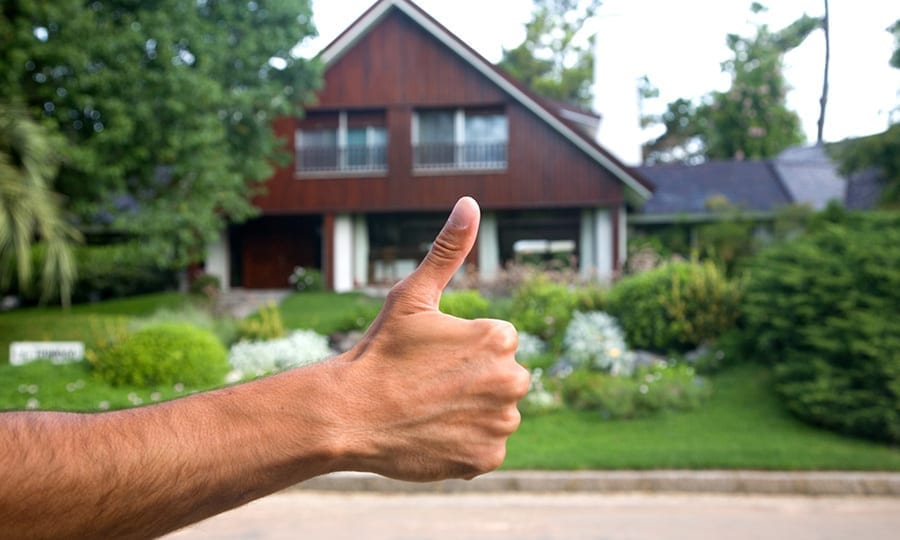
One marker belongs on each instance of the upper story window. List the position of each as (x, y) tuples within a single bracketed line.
[(460, 139), (341, 141)]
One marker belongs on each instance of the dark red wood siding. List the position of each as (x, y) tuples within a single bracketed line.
[(398, 67)]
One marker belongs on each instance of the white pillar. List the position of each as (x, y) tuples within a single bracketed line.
[(587, 260), (623, 236), (218, 259), (360, 251), (342, 263), (488, 247), (603, 235)]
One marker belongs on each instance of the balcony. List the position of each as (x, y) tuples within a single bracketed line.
[(364, 159), (469, 156)]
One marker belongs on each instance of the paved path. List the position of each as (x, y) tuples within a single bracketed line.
[(527, 516)]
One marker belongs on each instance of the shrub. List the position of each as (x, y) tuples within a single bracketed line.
[(167, 353), (591, 298), (676, 307), (667, 387), (595, 340), (225, 328), (610, 396), (259, 358), (468, 304), (539, 399), (823, 309), (652, 389), (306, 279), (207, 285), (266, 324), (104, 272), (542, 308)]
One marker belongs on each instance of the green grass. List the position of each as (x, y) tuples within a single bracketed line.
[(742, 426), (85, 322), (72, 387), (326, 312)]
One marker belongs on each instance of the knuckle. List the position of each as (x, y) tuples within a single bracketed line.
[(501, 334)]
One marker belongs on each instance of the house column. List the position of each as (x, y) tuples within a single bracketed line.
[(488, 247), (604, 247), (343, 255), (218, 258), (587, 260), (360, 251), (328, 221), (623, 239), (597, 252)]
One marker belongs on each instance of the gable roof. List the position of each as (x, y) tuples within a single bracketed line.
[(799, 175), (810, 176), (639, 188), (754, 186)]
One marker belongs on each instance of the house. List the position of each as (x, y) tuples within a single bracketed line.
[(687, 195), (409, 119)]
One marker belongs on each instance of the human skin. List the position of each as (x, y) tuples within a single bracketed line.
[(424, 396)]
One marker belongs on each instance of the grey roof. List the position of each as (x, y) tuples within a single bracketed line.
[(810, 176), (685, 189), (801, 175), (864, 190)]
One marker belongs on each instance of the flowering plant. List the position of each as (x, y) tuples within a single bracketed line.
[(594, 339), (257, 358)]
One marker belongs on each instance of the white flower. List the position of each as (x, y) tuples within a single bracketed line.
[(529, 346), (261, 357), (595, 339)]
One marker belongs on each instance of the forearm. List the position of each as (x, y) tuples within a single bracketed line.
[(143, 472)]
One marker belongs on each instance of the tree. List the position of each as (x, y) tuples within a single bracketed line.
[(555, 60), (880, 151), (167, 106), (751, 118), (29, 210)]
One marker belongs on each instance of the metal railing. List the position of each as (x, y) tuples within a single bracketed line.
[(460, 156), (356, 158)]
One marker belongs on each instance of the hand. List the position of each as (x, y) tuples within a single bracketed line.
[(433, 396)]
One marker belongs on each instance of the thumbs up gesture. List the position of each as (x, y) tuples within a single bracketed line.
[(434, 396)]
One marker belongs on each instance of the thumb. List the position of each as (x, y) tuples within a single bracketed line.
[(447, 253)]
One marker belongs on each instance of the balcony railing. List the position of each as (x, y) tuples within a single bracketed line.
[(357, 158), (460, 156)]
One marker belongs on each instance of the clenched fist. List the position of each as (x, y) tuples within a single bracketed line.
[(434, 396)]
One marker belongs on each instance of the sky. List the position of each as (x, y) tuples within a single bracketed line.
[(680, 45)]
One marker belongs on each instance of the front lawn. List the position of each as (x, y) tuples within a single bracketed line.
[(742, 426)]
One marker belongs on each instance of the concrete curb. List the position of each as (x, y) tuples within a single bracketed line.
[(884, 484)]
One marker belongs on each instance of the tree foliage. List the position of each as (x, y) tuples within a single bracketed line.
[(751, 118), (555, 60), (166, 106), (30, 210), (880, 151)]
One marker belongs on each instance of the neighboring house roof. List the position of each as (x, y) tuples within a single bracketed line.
[(556, 117), (800, 175), (864, 190), (753, 186), (810, 176)]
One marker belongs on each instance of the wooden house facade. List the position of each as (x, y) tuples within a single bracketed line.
[(408, 120)]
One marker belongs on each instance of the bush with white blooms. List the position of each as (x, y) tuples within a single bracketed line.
[(257, 358), (595, 339)]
